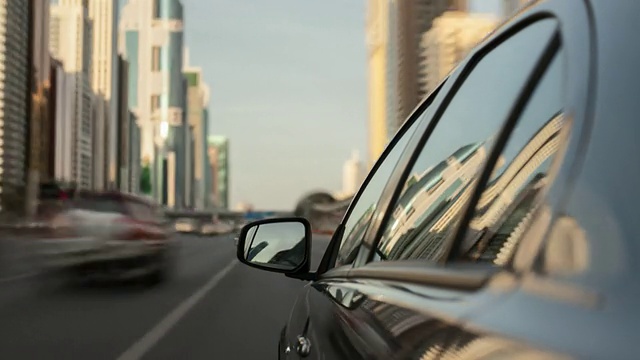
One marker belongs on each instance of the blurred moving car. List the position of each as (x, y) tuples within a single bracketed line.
[(217, 228), (186, 226), (108, 235), (501, 221)]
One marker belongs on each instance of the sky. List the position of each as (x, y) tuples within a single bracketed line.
[(288, 87)]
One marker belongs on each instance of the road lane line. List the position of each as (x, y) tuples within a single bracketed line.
[(151, 338)]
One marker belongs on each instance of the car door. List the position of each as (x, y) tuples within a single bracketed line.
[(407, 303)]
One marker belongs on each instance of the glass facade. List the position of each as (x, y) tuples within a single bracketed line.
[(168, 9), (14, 106), (172, 64), (221, 144), (132, 46)]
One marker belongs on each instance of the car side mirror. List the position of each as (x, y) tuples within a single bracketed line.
[(278, 244)]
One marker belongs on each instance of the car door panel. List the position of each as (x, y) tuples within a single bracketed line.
[(367, 318)]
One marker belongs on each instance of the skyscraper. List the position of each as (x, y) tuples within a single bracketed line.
[(14, 102), (40, 166), (70, 42), (511, 6), (394, 30), (63, 119), (452, 36), (151, 39), (197, 102), (123, 136), (352, 175), (377, 28), (219, 159), (411, 20), (103, 14)]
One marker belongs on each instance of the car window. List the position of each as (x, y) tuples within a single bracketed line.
[(140, 211), (442, 178), (100, 203), (509, 199), (360, 216)]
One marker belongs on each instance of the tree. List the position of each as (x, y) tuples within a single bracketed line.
[(145, 179)]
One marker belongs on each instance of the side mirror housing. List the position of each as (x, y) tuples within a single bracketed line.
[(280, 245)]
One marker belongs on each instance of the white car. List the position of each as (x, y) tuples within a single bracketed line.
[(217, 228), (186, 226), (108, 235)]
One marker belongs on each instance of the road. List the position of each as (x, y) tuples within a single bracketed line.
[(213, 308)]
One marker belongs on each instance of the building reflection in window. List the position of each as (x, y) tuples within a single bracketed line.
[(431, 203), (508, 202)]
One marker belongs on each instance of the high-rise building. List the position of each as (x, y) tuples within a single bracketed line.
[(135, 165), (219, 160), (63, 122), (452, 36), (352, 175), (509, 7), (197, 102), (103, 14), (377, 34), (151, 39), (123, 128), (14, 103), (408, 21), (40, 166), (394, 30), (70, 42)]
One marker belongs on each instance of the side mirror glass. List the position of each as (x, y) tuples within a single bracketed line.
[(277, 244)]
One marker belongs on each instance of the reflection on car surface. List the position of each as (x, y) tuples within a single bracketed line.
[(501, 221)]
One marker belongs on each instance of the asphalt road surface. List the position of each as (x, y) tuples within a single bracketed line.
[(213, 308)]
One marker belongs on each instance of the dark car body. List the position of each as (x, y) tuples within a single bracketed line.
[(499, 254)]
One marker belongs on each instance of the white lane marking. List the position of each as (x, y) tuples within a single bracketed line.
[(18, 277), (151, 338)]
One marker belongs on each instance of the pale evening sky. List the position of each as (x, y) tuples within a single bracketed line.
[(288, 87)]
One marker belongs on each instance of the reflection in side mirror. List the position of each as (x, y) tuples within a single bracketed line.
[(277, 244)]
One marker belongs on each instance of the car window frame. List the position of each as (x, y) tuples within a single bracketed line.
[(329, 259), (558, 11), (459, 75)]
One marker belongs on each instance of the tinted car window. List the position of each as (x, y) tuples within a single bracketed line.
[(442, 178), (141, 211), (509, 199), (100, 204), (360, 216)]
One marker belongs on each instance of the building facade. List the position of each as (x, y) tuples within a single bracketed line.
[(219, 160), (123, 136), (40, 166), (408, 21), (394, 29), (14, 103), (135, 166), (452, 36), (70, 42), (63, 115), (352, 175), (103, 15), (509, 7), (377, 28), (197, 102), (151, 39)]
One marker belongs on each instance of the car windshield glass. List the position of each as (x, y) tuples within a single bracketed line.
[(100, 204)]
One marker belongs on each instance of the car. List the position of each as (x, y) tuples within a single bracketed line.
[(217, 228), (108, 235), (501, 220), (186, 226)]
